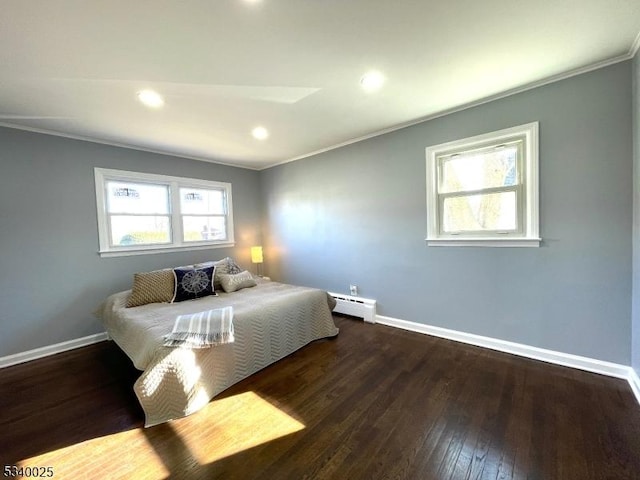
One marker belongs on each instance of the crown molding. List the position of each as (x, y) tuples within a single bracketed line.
[(99, 141), (635, 46)]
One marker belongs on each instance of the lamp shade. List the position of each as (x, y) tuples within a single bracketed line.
[(256, 254)]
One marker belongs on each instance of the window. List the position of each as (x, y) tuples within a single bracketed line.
[(483, 190), (144, 213)]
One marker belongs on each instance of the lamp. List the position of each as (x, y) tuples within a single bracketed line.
[(256, 257)]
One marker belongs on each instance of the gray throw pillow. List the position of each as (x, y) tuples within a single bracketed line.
[(223, 267), (233, 282)]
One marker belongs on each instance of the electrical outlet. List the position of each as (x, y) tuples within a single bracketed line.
[(353, 289)]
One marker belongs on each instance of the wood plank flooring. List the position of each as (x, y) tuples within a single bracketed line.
[(373, 403)]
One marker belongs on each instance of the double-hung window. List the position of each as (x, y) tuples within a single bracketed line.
[(483, 190), (145, 213)]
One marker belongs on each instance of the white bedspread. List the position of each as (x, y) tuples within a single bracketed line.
[(271, 321)]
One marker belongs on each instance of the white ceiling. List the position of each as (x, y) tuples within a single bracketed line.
[(73, 67)]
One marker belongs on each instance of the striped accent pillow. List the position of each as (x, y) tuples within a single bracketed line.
[(152, 287)]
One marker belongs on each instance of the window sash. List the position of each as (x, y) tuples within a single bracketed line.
[(110, 228), (517, 231), (204, 216), (520, 178), (113, 209), (221, 191), (491, 147)]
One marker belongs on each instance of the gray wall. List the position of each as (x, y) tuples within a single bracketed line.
[(635, 334), (357, 215), (51, 277)]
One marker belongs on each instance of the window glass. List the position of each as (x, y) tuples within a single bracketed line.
[(469, 213), (132, 198), (479, 170), (201, 202), (202, 228), (139, 230)]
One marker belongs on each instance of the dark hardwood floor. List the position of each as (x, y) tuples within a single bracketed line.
[(373, 403)]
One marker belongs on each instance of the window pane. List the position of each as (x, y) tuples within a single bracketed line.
[(480, 169), (201, 228), (125, 197), (469, 213), (198, 201), (139, 230)]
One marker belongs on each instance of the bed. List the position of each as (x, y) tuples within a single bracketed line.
[(271, 320)]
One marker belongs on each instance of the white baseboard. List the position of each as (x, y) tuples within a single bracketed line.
[(634, 381), (550, 356), (51, 350)]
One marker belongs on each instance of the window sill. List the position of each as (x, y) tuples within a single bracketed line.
[(150, 250), (483, 242)]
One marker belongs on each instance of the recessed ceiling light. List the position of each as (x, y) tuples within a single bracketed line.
[(150, 98), (260, 133), (372, 81)]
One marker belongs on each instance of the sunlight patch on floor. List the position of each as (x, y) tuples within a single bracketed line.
[(235, 424), (124, 452), (223, 428)]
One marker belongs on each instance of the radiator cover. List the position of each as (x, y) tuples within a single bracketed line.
[(356, 306)]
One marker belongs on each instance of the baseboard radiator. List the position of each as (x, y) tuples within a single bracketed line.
[(356, 306)]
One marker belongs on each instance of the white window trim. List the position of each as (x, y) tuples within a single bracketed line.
[(530, 237), (106, 250)]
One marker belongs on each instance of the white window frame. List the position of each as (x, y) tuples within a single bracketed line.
[(103, 175), (527, 233)]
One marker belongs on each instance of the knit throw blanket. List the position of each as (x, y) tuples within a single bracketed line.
[(202, 329)]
